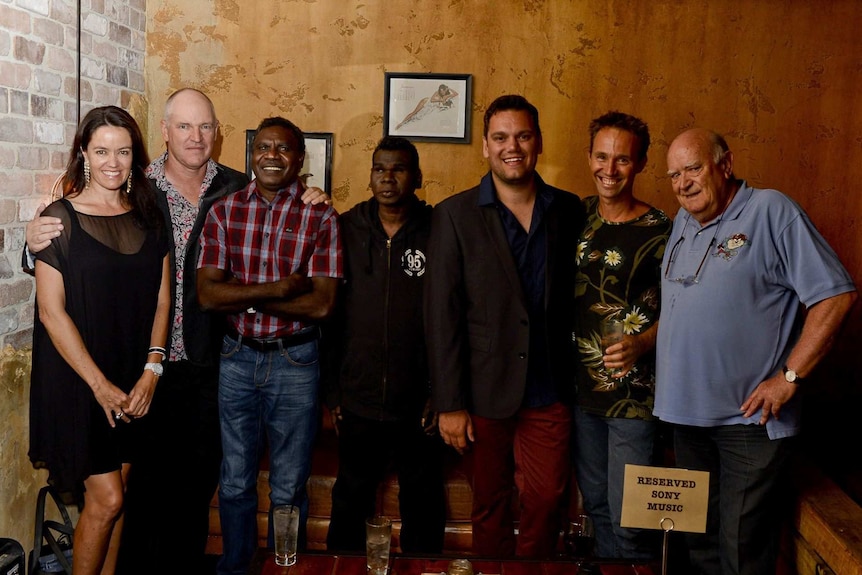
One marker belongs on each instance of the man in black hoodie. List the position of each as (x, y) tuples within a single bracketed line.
[(377, 385)]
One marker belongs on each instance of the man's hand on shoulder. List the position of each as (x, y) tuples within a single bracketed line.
[(41, 230), (314, 196)]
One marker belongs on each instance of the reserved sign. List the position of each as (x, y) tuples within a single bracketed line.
[(665, 498)]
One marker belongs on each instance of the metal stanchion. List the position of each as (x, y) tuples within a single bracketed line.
[(666, 529)]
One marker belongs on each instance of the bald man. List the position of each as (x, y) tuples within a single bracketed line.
[(734, 346)]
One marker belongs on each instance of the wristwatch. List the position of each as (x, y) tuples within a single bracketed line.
[(791, 377), (156, 368)]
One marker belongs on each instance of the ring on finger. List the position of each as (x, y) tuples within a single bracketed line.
[(119, 415)]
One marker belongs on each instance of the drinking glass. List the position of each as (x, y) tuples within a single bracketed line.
[(378, 536), (580, 538), (285, 530), (460, 567), (612, 332)]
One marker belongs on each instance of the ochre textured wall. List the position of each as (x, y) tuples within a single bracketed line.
[(19, 483), (780, 79)]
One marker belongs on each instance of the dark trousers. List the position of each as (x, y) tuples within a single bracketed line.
[(747, 490), (366, 448), (171, 485)]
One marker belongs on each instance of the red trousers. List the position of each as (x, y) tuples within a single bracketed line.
[(528, 451)]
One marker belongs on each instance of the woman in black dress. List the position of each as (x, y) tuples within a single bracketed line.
[(102, 303)]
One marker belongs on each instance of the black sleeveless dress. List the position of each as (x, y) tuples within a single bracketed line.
[(111, 271)]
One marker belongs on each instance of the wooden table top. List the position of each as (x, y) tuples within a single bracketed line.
[(326, 564)]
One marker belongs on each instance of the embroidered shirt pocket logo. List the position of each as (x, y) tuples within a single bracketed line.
[(731, 245)]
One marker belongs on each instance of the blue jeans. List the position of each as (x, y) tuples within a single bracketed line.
[(265, 399), (601, 448), (747, 496)]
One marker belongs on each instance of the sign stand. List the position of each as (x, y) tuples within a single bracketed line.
[(672, 499), (664, 541)]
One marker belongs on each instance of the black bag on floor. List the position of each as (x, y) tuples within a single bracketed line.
[(52, 542), (11, 557)]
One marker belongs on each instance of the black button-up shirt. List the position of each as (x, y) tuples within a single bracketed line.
[(529, 250)]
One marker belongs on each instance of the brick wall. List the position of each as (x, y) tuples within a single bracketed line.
[(38, 88)]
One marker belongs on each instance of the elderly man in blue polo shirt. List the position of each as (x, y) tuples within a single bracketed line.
[(733, 344)]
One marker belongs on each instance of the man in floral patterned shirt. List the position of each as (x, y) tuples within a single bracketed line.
[(184, 418), (619, 261)]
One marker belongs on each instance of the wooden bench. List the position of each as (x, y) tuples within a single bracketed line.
[(824, 536), (324, 469)]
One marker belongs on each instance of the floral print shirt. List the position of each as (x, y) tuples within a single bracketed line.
[(619, 270), (183, 214)]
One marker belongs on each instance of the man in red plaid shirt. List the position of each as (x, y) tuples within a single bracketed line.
[(272, 264)]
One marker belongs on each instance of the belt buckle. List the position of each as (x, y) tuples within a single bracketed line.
[(268, 344)]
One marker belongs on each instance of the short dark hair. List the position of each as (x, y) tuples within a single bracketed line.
[(513, 102), (622, 121), (286, 124), (398, 144)]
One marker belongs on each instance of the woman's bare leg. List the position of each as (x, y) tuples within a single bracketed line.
[(110, 565), (103, 505)]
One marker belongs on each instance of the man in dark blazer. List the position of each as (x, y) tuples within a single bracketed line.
[(498, 306)]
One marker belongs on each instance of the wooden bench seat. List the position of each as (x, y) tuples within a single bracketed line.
[(824, 535), (324, 469)]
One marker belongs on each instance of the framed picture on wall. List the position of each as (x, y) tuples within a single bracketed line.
[(316, 170), (428, 107)]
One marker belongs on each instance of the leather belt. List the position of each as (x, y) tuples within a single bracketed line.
[(277, 343)]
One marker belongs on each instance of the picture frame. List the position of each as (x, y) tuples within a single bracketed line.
[(316, 169), (428, 107)]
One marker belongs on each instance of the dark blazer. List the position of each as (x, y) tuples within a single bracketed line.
[(202, 331), (476, 319)]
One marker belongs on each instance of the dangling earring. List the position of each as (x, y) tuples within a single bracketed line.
[(129, 185), (86, 173)]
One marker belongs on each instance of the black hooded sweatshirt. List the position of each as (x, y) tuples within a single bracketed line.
[(376, 365)]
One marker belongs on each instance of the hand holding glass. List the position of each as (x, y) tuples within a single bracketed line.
[(612, 333), (285, 529), (378, 536)]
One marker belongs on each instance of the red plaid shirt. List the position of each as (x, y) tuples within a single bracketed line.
[(259, 242)]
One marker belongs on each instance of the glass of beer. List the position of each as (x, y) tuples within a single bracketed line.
[(580, 537)]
